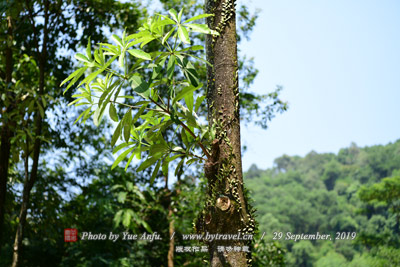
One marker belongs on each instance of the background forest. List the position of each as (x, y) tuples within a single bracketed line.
[(65, 168)]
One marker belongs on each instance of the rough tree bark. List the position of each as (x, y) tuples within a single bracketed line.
[(226, 210)]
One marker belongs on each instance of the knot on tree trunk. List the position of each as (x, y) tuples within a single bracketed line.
[(223, 203)]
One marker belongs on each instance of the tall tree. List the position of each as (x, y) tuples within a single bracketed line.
[(41, 30), (158, 98), (6, 129), (226, 210)]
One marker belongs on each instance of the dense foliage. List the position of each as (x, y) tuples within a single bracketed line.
[(327, 193)]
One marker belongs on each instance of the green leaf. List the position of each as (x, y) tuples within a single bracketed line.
[(188, 70), (191, 161), (146, 226), (178, 149), (147, 163), (127, 124), (76, 100), (193, 48), (139, 54), (189, 101), (200, 28), (121, 59), (139, 86), (126, 221), (169, 159), (198, 17), (165, 167), (83, 114), (166, 21), (113, 112), (179, 166), (82, 57), (117, 40), (72, 75), (140, 34), (117, 217), (171, 67), (41, 110), (138, 152), (97, 57), (122, 197), (98, 114), (89, 78), (191, 120), (89, 50), (173, 14), (184, 137), (191, 74), (154, 174), (121, 157), (139, 113), (187, 90), (199, 100), (75, 77), (180, 15), (146, 40), (116, 134), (129, 160), (121, 146), (158, 148), (183, 35), (166, 37), (110, 50), (157, 70)]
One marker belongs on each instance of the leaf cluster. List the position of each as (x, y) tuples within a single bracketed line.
[(161, 100)]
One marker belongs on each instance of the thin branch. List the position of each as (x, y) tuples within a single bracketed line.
[(33, 25), (129, 106), (184, 127)]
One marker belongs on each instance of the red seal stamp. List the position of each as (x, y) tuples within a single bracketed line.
[(70, 235)]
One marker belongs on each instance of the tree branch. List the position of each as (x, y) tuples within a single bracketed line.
[(184, 127)]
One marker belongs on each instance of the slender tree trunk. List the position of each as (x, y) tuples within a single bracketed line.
[(6, 131), (226, 210), (171, 247), (38, 122), (171, 228)]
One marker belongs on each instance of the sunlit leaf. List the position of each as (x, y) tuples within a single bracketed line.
[(173, 14), (140, 86), (200, 28), (121, 157), (139, 54), (82, 57), (171, 67), (198, 17), (183, 35)]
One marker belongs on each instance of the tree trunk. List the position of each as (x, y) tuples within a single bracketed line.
[(226, 210), (38, 122), (171, 229), (6, 131)]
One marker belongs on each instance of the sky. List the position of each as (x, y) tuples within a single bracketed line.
[(339, 65)]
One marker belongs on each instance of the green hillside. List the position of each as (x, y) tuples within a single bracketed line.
[(344, 195)]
